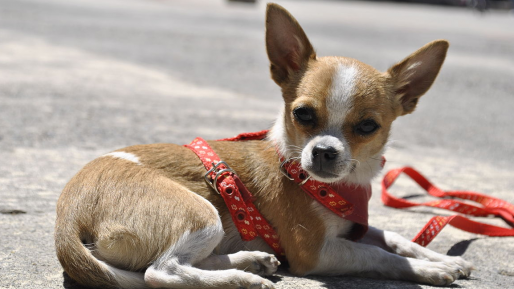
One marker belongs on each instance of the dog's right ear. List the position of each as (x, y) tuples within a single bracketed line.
[(288, 47)]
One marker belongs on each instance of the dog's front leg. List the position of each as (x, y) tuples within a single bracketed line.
[(339, 256), (395, 243)]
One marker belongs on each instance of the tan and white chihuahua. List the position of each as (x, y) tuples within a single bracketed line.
[(143, 216)]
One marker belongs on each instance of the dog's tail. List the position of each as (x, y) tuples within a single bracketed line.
[(81, 265)]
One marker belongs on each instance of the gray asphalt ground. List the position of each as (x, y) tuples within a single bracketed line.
[(79, 78)]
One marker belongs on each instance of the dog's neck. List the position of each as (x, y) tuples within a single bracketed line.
[(363, 173)]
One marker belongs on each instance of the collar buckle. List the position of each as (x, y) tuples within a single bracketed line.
[(283, 170)]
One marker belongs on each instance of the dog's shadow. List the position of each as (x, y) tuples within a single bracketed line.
[(460, 248), (338, 282), (69, 283)]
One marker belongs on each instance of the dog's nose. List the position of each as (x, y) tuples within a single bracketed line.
[(324, 153)]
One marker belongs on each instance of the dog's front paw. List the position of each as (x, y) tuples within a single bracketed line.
[(261, 263), (464, 267), (441, 273)]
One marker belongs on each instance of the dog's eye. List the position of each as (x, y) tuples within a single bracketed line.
[(366, 127), (304, 115)]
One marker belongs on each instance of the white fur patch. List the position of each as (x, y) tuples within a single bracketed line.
[(125, 156), (340, 99), (173, 268), (278, 135), (192, 247)]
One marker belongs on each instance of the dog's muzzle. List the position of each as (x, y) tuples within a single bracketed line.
[(324, 158)]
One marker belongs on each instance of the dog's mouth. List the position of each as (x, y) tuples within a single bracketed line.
[(332, 172), (328, 176), (322, 176)]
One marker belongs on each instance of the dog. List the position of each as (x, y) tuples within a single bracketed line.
[(143, 216)]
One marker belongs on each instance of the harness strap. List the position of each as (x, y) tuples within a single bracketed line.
[(489, 206), (259, 135), (245, 216)]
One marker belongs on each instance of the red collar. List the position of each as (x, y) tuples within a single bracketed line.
[(319, 191), (346, 201)]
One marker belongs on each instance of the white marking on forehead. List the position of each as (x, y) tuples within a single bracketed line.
[(340, 98), (125, 156)]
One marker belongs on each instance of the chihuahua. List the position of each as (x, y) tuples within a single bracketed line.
[(143, 216)]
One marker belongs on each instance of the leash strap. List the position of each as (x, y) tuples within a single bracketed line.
[(489, 206), (245, 216)]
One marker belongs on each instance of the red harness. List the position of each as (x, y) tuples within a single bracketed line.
[(349, 202), (249, 222)]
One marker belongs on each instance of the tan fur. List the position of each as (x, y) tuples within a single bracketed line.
[(128, 213), (111, 203)]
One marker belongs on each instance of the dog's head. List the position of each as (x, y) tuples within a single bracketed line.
[(338, 111)]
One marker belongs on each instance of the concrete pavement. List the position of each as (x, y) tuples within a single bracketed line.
[(81, 78)]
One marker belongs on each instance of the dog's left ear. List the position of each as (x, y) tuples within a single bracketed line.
[(413, 76)]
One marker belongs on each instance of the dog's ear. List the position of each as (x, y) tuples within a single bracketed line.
[(414, 75), (288, 47)]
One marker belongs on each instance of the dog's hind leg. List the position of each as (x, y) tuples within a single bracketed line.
[(174, 269)]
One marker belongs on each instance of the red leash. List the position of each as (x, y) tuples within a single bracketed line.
[(489, 206)]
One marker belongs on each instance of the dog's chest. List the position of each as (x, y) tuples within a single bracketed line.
[(335, 226)]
